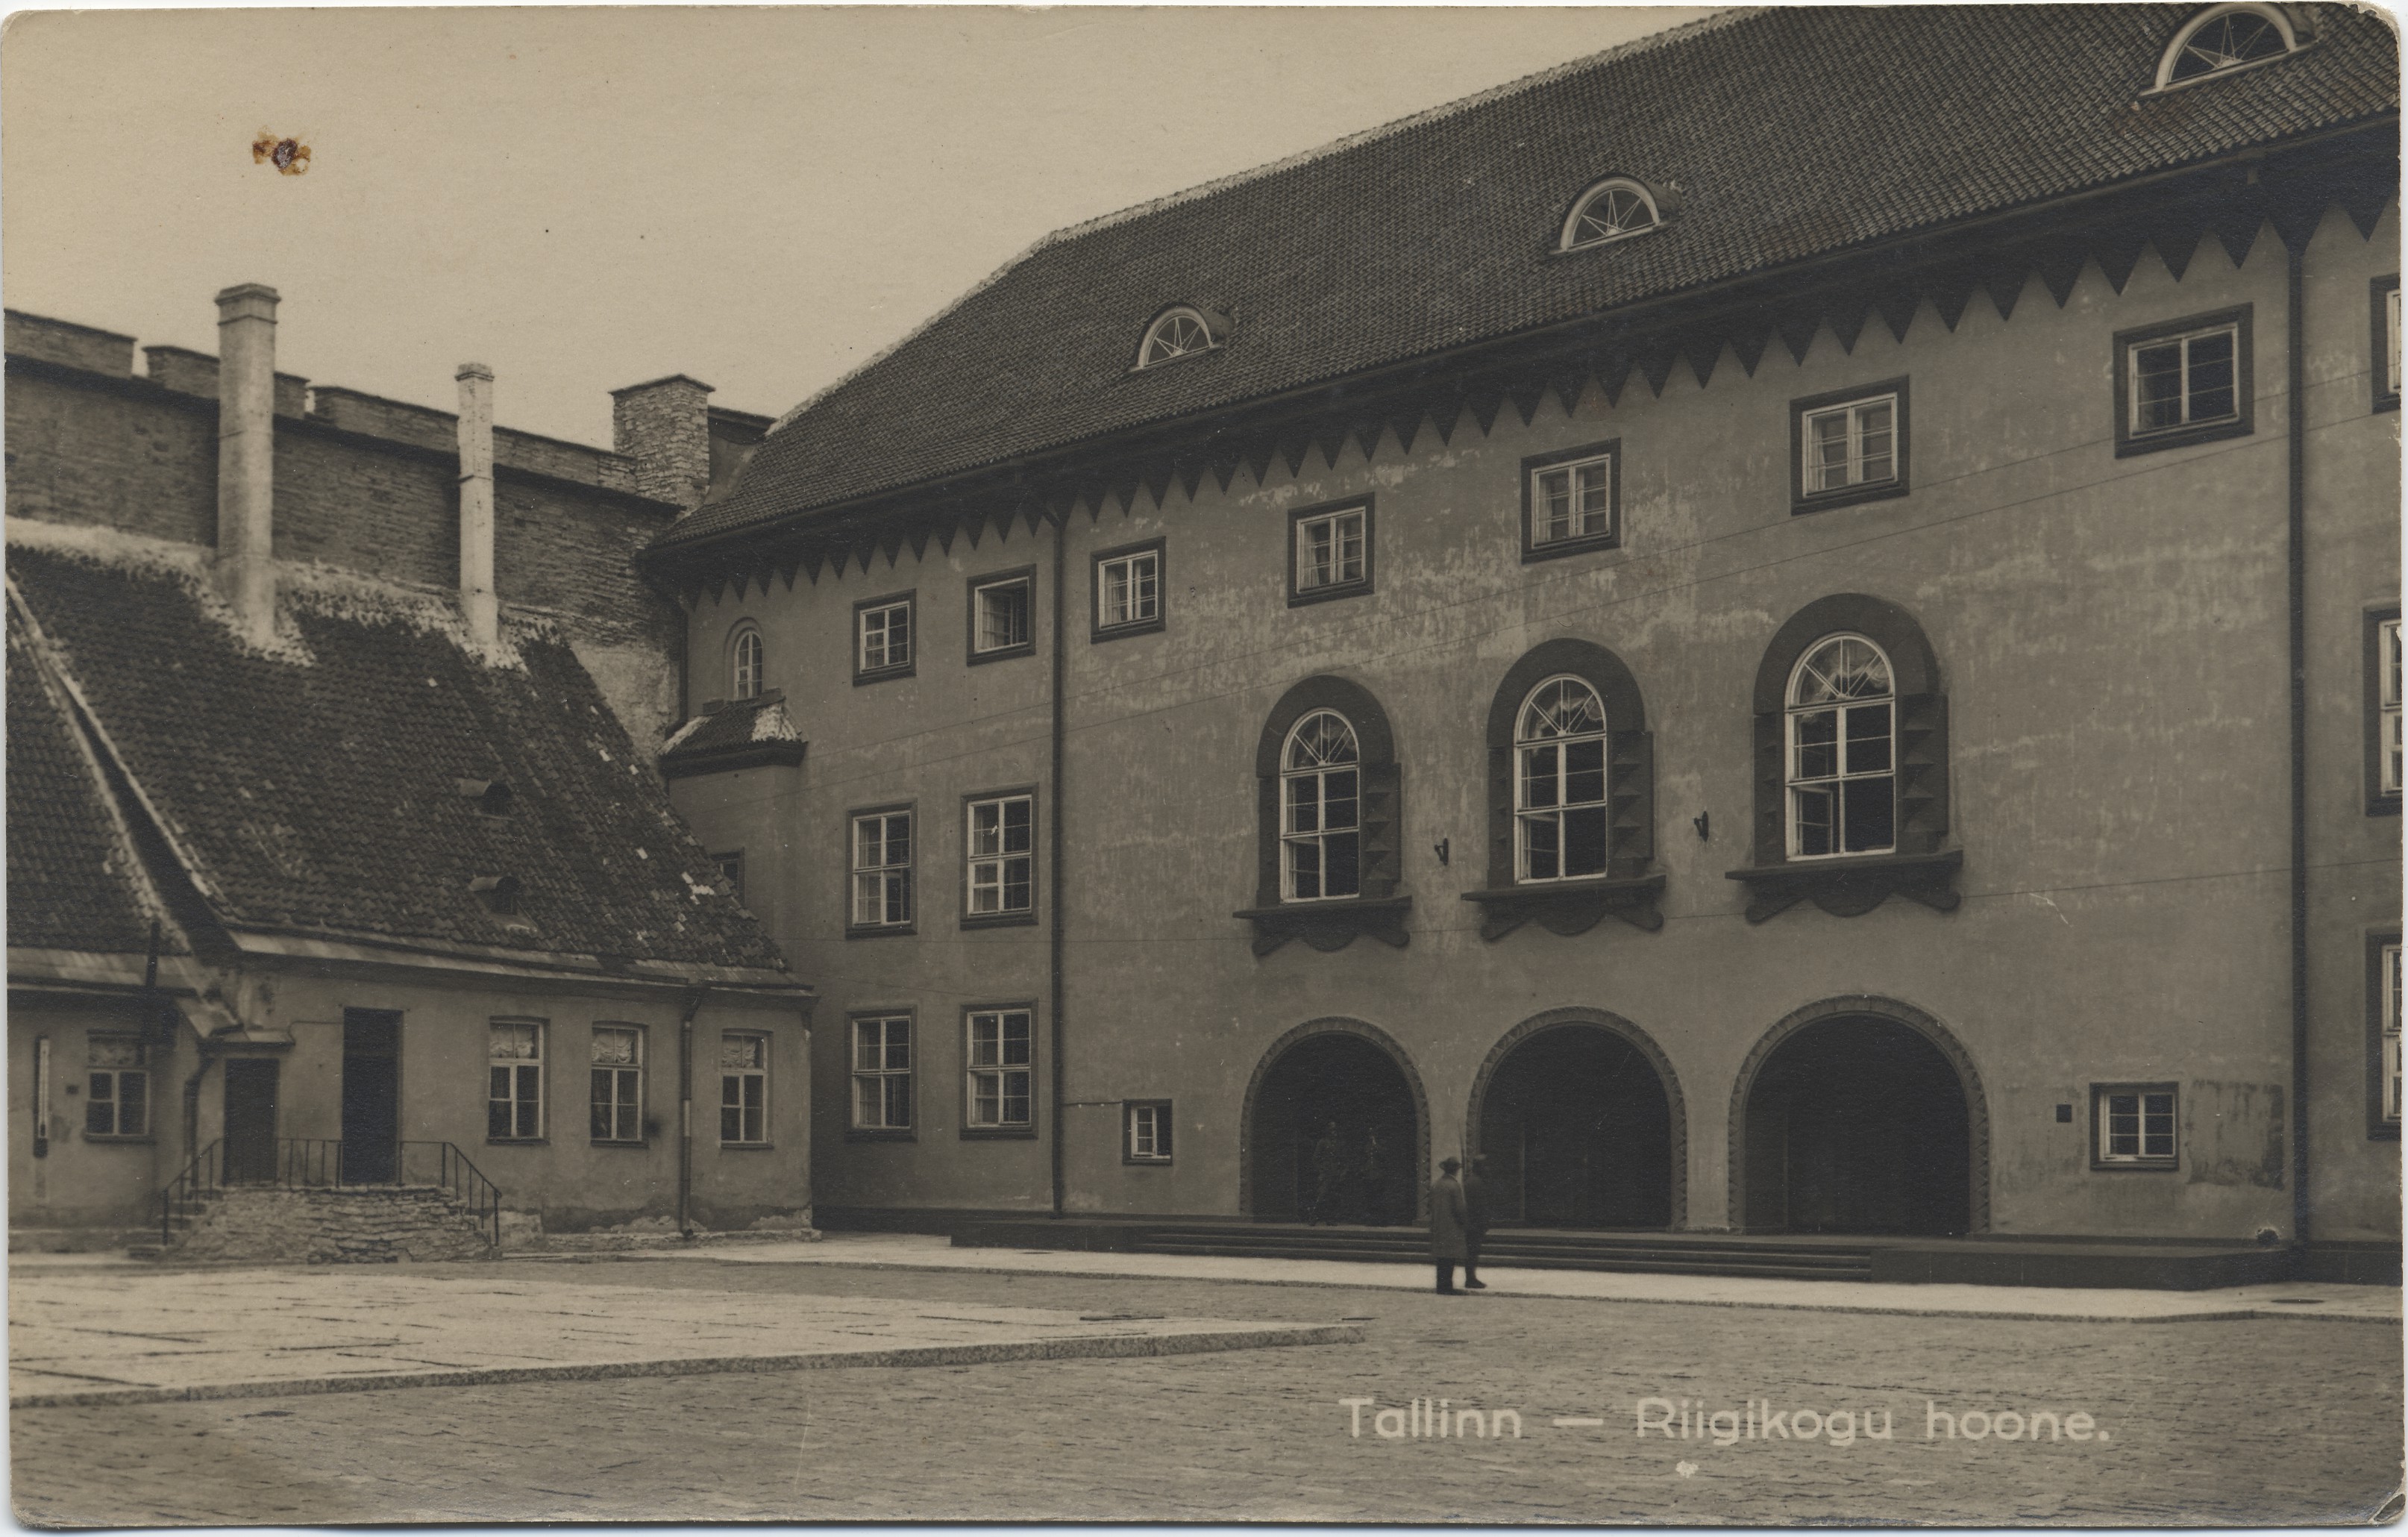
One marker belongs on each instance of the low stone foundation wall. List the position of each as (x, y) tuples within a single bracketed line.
[(334, 1226)]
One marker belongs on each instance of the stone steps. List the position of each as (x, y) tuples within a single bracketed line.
[(346, 1226)]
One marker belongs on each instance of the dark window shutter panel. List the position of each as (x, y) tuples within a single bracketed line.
[(1771, 840), (1631, 802), (1500, 817), (1382, 865), (1922, 773), (1266, 885)]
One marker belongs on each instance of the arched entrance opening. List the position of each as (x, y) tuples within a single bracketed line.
[(1335, 1134), (1857, 1124), (1577, 1128)]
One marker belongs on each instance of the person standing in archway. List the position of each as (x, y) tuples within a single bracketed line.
[(1475, 1220), (1449, 1224), (1328, 1165)]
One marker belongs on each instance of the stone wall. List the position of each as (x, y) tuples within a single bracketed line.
[(334, 1226)]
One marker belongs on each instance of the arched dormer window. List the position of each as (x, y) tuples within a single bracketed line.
[(1181, 331), (744, 662), (1615, 208), (1851, 763), (1570, 795), (2223, 38), (1328, 855)]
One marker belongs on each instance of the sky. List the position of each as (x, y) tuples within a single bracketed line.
[(583, 198)]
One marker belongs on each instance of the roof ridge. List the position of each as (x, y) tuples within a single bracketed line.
[(1254, 173)]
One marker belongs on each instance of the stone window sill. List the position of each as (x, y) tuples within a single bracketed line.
[(1331, 924), (1851, 885), (998, 1133), (1570, 907), (138, 1139)]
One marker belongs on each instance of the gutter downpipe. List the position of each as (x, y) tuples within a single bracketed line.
[(685, 1112), (2295, 367), (1054, 905)]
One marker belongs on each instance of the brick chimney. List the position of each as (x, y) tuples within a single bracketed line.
[(245, 566), (477, 603), (664, 425)]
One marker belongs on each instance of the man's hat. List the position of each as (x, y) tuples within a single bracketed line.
[(1450, 1164)]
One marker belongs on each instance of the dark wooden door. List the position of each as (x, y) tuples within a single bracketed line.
[(250, 1119), (371, 1095)]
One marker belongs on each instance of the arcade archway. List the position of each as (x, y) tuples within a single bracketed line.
[(1337, 1129), (1581, 1125)]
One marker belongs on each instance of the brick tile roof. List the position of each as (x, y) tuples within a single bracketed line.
[(71, 881), (317, 790), (1790, 132), (733, 734)]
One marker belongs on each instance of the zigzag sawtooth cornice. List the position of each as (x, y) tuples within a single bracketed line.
[(1995, 261)]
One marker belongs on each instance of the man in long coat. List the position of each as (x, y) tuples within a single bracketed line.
[(1475, 1224), (1450, 1224)]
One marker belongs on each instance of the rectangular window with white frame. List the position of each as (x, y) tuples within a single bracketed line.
[(2183, 381), (117, 1087), (881, 1073), (1570, 501), (2383, 712), (999, 838), (1129, 590), (1329, 551), (882, 637), (881, 871), (1000, 1058), (2134, 1125), (1003, 609), (1145, 1131), (2383, 1006), (2383, 351), (1849, 446), (618, 1084), (515, 1080), (743, 1089)]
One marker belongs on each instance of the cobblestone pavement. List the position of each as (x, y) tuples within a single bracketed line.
[(2263, 1421)]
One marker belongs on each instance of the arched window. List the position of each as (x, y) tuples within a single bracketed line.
[(1614, 208), (1843, 750), (1560, 801), (1321, 811), (2227, 37), (744, 654), (1851, 764), (1177, 333)]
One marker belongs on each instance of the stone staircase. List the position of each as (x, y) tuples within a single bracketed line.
[(354, 1225)]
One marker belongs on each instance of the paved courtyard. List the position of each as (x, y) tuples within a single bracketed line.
[(2249, 1420)]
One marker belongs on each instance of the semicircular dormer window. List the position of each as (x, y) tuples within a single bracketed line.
[(2222, 38), (1613, 209), (1175, 334)]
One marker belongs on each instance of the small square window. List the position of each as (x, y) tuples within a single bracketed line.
[(881, 871), (2384, 352), (743, 1089), (1848, 447), (1329, 551), (1128, 591), (1145, 1126), (882, 632), (1000, 844), (618, 1084), (881, 1073), (1572, 501), (2182, 382), (514, 1074), (117, 1092), (1000, 1058), (1002, 616), (2133, 1126)]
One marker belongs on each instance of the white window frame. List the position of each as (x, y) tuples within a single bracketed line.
[(2182, 340), (895, 637), (882, 881), (1532, 812), (1310, 785), (981, 595), (989, 1074), (737, 1077), (1843, 750), (747, 656), (1129, 589), (1581, 476), (1146, 1127), (2156, 1128), (991, 860), (1182, 331), (881, 1048), (2390, 361), (1575, 238), (1853, 434), (2389, 962), (1341, 526), (2171, 58), (2386, 705), (522, 1089), (113, 1059), (615, 1090)]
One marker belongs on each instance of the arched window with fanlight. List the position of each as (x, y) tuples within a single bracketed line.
[(1330, 816), (2223, 38), (1321, 811), (745, 655), (1560, 812), (1843, 750), (1181, 331), (1614, 208)]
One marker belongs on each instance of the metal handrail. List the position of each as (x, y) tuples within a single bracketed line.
[(185, 1189), (320, 1163)]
